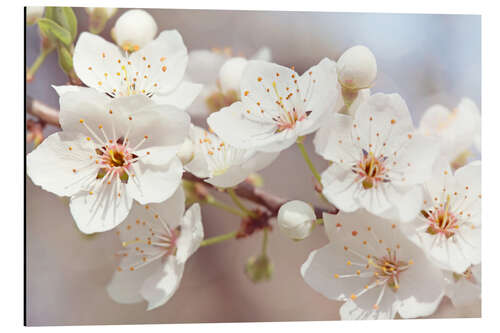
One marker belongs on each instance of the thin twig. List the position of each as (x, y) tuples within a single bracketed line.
[(42, 111)]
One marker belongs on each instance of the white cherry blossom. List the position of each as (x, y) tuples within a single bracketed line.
[(457, 131), (158, 239), (379, 162), (277, 106), (372, 266), (156, 70), (449, 225), (110, 152), (222, 164), (464, 288)]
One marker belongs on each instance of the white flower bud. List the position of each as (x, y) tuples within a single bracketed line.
[(134, 29), (33, 13), (357, 68), (186, 152), (296, 219), (230, 73)]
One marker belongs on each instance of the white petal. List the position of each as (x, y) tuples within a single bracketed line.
[(442, 177), (155, 183), (125, 286), (232, 126), (334, 142), (323, 134), (470, 175), (463, 292), (362, 309), (160, 287), (162, 126), (61, 90), (264, 54), (191, 233), (340, 187), (386, 114), (406, 204), (95, 61), (231, 177), (57, 169), (182, 97), (375, 200), (320, 268), (319, 91), (415, 160), (103, 210), (168, 58), (259, 161), (422, 287), (270, 74), (88, 105), (230, 73)]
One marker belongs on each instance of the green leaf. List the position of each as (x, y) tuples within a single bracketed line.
[(65, 59), (67, 19), (54, 31)]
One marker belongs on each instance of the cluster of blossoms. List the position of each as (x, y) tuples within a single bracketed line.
[(409, 227)]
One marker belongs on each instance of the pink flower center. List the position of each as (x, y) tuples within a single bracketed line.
[(115, 159), (371, 170), (441, 220), (288, 119)]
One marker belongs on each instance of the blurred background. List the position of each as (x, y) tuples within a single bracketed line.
[(427, 59)]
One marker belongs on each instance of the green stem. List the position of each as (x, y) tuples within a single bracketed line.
[(311, 166), (219, 204), (38, 62), (218, 239), (264, 242), (319, 221), (240, 204)]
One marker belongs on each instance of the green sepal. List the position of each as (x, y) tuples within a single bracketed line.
[(65, 59)]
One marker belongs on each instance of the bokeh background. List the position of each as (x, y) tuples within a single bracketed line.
[(427, 59)]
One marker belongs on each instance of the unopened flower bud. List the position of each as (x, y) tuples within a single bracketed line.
[(357, 68), (296, 219), (33, 13), (186, 152), (98, 17), (259, 269), (134, 29), (230, 73)]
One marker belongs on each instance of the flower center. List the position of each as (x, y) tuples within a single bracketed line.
[(441, 220), (115, 159), (371, 170), (389, 268), (288, 119)]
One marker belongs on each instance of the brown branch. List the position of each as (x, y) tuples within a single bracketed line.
[(244, 190), (260, 197), (42, 111)]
